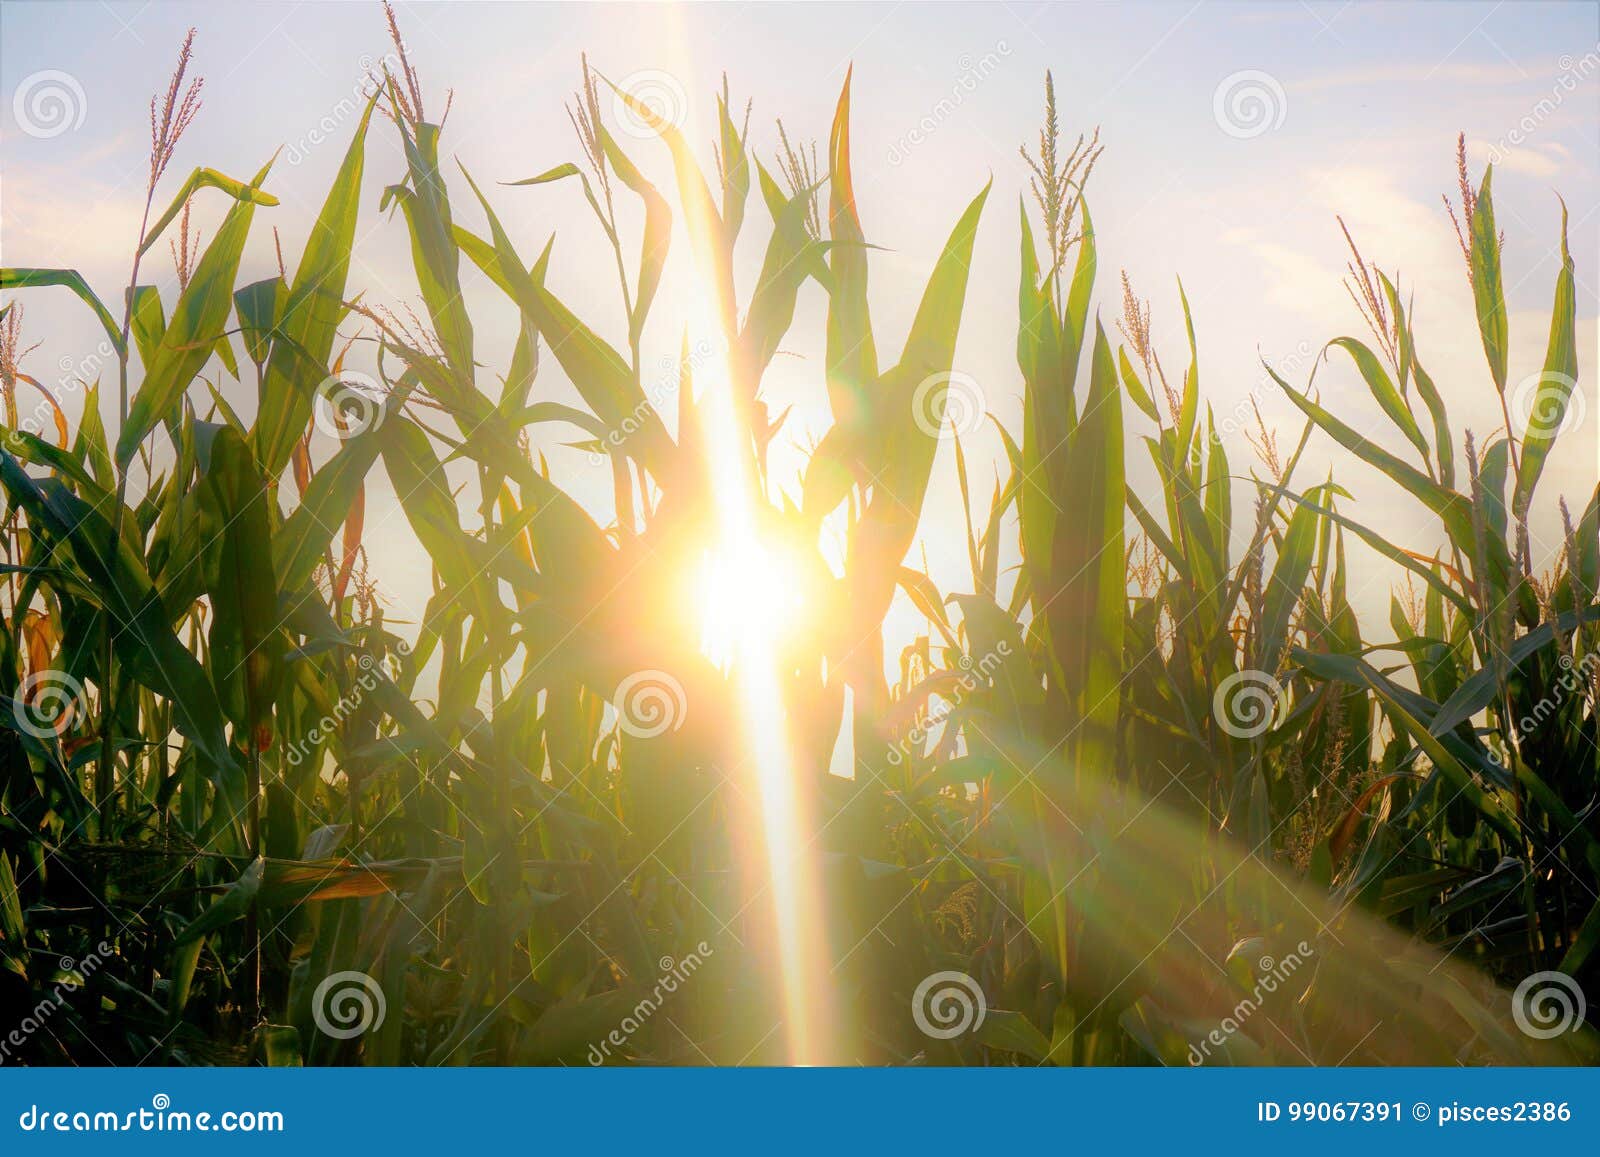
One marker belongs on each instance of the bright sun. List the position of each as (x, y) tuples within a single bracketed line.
[(748, 600)]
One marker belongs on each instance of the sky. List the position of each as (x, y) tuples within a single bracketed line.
[(1233, 136)]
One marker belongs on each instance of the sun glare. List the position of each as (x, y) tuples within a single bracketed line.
[(748, 600), (749, 604)]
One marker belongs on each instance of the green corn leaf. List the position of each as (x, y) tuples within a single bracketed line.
[(1487, 294), (791, 257), (1287, 584), (852, 358), (1136, 388), (709, 234), (302, 540), (259, 307), (735, 166), (1377, 379), (192, 332), (73, 280), (147, 319), (146, 645), (205, 179), (605, 381), (657, 233), (887, 525), (1452, 508), (1458, 779), (1443, 446), (426, 206), (310, 316), (1189, 407), (233, 904), (1560, 377), (246, 643), (1087, 616)]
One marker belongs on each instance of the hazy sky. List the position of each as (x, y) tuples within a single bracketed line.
[(1341, 108)]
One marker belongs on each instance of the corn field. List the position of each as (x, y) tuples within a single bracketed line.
[(1143, 791)]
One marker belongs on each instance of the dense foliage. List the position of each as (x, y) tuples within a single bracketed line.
[(1113, 785)]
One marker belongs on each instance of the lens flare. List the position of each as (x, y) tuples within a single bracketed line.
[(748, 603)]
